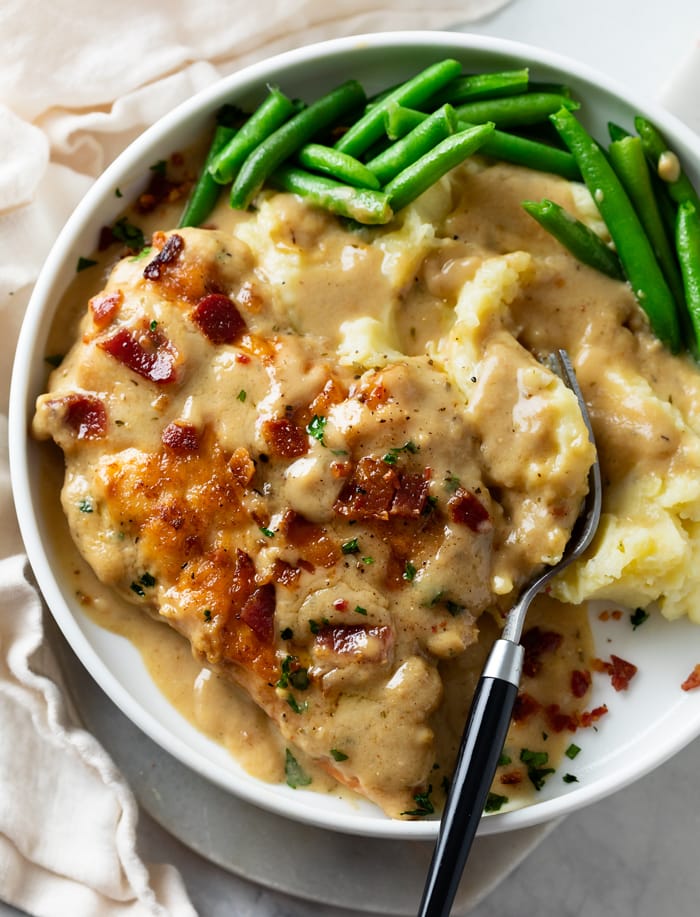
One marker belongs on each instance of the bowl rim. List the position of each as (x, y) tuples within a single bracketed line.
[(22, 400)]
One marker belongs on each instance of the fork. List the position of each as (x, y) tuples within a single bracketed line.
[(492, 706)]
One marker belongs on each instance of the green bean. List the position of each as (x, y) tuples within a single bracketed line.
[(274, 111), (500, 145), (365, 205), (530, 153), (633, 247), (429, 132), (424, 172), (326, 159), (206, 191), (630, 164), (470, 87), (362, 134), (688, 248), (291, 136), (617, 132), (574, 235), (656, 148), (515, 111)]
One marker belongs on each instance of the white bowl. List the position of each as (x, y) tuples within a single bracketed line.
[(646, 725)]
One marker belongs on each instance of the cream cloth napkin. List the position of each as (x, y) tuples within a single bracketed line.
[(78, 81)]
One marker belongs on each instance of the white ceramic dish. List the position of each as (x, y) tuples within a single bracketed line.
[(646, 725)]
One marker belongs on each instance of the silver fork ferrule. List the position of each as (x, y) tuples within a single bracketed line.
[(505, 662)]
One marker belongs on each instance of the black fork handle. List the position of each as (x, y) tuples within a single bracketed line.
[(482, 744)]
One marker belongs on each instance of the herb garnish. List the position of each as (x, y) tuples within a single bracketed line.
[(360, 610), (242, 395), (338, 755), (392, 455), (85, 505), (409, 572), (572, 751), (268, 533), (350, 547), (424, 804), (293, 771), (316, 427), (638, 617), (129, 234), (84, 263), (569, 778), (494, 802), (535, 761)]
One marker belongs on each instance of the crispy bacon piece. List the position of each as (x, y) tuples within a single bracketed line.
[(580, 682), (104, 306), (357, 642), (525, 706), (620, 671), (149, 355), (285, 438), (412, 495), (693, 680), (465, 508), (181, 438), (218, 319), (512, 778), (84, 415), (592, 716), (558, 720), (536, 643), (310, 539), (370, 491), (258, 612), (168, 254)]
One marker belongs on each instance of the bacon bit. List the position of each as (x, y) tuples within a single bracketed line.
[(369, 492), (370, 644), (285, 438), (372, 395), (242, 467), (525, 706), (104, 307), (617, 614), (536, 643), (160, 189), (84, 415), (310, 539), (410, 499), (168, 254), (512, 778), (340, 604), (693, 680), (181, 438), (558, 720), (155, 362), (589, 718), (242, 358), (620, 671), (258, 612), (242, 579), (465, 508), (333, 392), (284, 573), (218, 319), (604, 616), (580, 682)]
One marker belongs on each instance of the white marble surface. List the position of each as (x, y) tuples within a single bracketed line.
[(635, 853)]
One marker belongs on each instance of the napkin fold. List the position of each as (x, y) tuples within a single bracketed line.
[(77, 83)]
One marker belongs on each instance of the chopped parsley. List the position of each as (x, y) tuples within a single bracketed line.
[(85, 505), (392, 455), (536, 771), (242, 395), (287, 633), (147, 580), (316, 427), (368, 560), (350, 547), (338, 755), (569, 778), (153, 325), (360, 610), (84, 263), (118, 193), (54, 359), (137, 589), (129, 234), (159, 167), (638, 617), (294, 772), (409, 572), (504, 760), (295, 705), (452, 482), (424, 804), (268, 533), (207, 614), (494, 802), (572, 751)]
